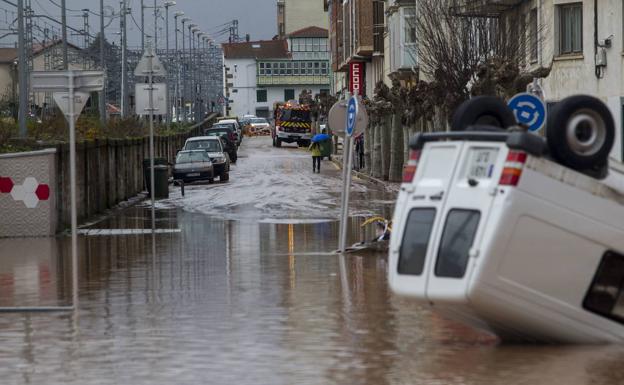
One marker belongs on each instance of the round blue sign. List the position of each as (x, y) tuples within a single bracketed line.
[(529, 111), (352, 111)]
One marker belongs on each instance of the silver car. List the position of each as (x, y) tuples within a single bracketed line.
[(193, 165)]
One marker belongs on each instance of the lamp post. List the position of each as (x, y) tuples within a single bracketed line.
[(196, 64), (191, 66), (184, 75), (177, 60), (124, 70), (142, 26), (168, 4), (102, 64)]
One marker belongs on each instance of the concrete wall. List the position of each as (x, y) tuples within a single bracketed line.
[(28, 194), (300, 14)]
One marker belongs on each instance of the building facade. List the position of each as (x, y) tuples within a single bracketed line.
[(581, 40), (262, 73)]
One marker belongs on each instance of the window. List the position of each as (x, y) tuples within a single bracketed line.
[(261, 96), (570, 28), (289, 94), (533, 35), (415, 241), (606, 293), (457, 238), (309, 45)]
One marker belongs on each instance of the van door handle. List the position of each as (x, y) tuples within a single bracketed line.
[(437, 197)]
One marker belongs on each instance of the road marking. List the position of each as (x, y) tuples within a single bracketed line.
[(104, 232)]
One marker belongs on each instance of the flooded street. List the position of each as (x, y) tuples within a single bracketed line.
[(243, 287)]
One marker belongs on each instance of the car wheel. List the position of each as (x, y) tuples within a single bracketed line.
[(211, 180), (224, 177), (483, 110), (580, 132), (278, 143)]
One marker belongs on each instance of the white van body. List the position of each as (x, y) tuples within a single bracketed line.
[(539, 261)]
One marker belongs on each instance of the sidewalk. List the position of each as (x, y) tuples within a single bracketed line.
[(389, 186)]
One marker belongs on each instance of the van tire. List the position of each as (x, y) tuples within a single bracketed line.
[(577, 145), (482, 110), (278, 142)]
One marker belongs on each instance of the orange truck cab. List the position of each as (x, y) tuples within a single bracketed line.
[(293, 124)]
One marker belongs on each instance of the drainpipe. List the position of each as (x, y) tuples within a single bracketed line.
[(597, 70)]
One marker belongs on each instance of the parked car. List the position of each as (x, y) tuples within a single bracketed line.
[(227, 137), (193, 165), (216, 151), (512, 233), (237, 127), (234, 136)]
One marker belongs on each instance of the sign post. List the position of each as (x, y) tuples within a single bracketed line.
[(150, 66), (71, 92), (347, 164)]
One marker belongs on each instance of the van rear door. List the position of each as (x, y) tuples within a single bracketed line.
[(420, 203), (462, 219)]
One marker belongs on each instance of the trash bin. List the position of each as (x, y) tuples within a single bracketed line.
[(161, 177), (326, 148)]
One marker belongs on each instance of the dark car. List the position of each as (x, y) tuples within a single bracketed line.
[(193, 165), (225, 134), (234, 136)]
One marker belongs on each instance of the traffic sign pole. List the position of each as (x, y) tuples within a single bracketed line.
[(347, 165), (72, 177)]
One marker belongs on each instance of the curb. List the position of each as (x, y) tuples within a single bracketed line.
[(394, 187)]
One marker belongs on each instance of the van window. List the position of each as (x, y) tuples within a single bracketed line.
[(415, 241), (457, 238), (606, 293)]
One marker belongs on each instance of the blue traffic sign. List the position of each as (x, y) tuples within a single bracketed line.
[(352, 112), (529, 110)]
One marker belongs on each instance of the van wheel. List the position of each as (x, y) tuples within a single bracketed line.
[(483, 110), (278, 142), (580, 132)]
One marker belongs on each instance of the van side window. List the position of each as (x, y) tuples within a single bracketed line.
[(415, 241), (606, 293), (457, 238)]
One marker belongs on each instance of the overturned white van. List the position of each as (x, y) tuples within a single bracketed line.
[(511, 233)]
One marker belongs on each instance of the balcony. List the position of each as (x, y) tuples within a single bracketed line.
[(292, 80), (484, 8)]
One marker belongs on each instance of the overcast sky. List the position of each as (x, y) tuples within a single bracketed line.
[(256, 17)]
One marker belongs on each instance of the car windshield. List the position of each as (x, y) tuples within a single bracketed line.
[(217, 132), (207, 145), (192, 156), (296, 115), (259, 121), (224, 125)]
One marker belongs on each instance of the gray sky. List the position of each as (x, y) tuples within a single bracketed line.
[(256, 17)]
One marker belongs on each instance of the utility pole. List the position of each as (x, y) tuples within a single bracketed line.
[(102, 65), (142, 26), (22, 68), (124, 70), (85, 31), (64, 33), (168, 57), (155, 28), (184, 73)]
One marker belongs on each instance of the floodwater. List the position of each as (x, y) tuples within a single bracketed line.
[(244, 292)]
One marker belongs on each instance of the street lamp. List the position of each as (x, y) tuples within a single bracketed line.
[(177, 15), (185, 77), (196, 65), (168, 4), (191, 65)]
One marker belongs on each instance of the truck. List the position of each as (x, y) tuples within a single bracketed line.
[(515, 233), (293, 124)]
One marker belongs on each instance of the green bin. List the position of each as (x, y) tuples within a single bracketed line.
[(161, 177), (326, 148)]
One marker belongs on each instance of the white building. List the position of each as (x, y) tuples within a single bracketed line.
[(262, 73), (582, 40)]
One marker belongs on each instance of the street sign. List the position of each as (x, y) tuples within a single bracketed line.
[(52, 81), (352, 113), (338, 114), (529, 110), (62, 101), (142, 91), (143, 68)]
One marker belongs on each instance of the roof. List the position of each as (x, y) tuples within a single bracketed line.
[(9, 55), (310, 32), (262, 49)]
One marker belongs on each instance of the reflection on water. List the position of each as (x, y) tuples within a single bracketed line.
[(227, 302)]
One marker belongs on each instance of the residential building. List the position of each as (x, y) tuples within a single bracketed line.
[(352, 45), (581, 40), (261, 73), (294, 15), (402, 58)]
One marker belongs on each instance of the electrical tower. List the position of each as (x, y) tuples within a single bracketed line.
[(234, 32)]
